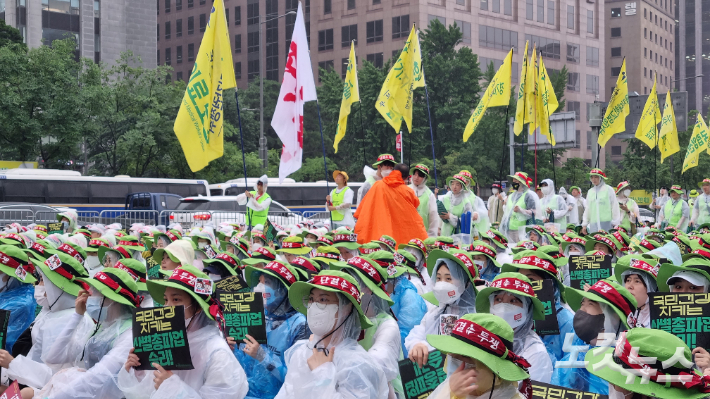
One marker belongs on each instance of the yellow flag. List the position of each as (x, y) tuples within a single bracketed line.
[(521, 106), (395, 99), (648, 125), (198, 125), (668, 142), (698, 143), (530, 93), (497, 94), (546, 102), (617, 110), (351, 94)]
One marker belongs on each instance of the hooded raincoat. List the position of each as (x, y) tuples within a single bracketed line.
[(556, 203)]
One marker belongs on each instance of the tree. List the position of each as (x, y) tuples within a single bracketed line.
[(10, 35)]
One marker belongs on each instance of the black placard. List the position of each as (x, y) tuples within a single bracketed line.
[(685, 315), (270, 231), (548, 391), (55, 228), (153, 269), (244, 314), (231, 284), (159, 336), (418, 382), (588, 269), (4, 322), (545, 292)]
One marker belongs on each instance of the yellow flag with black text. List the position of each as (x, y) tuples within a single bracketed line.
[(647, 129), (617, 110), (546, 102), (520, 105), (395, 99), (668, 141), (497, 94), (698, 143), (198, 125), (351, 94)]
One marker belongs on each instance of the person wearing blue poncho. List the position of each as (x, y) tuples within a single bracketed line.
[(264, 364), (409, 307), (16, 292)]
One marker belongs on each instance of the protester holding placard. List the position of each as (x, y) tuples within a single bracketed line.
[(481, 361), (409, 307), (511, 297), (331, 364), (453, 296), (216, 373), (638, 274), (264, 364)]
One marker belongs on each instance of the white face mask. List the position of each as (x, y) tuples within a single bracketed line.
[(547, 190), (481, 264), (256, 246), (187, 321), (92, 262), (41, 296), (260, 288), (94, 310), (321, 321), (202, 245), (215, 277), (446, 293), (386, 172), (452, 364), (627, 193), (495, 191), (512, 314)]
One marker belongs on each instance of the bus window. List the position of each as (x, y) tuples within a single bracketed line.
[(172, 203), (69, 192), (217, 192), (234, 191), (108, 193), (192, 190), (147, 188), (23, 191)]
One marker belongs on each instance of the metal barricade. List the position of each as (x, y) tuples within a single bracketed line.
[(21, 216), (190, 219), (127, 218), (84, 217), (46, 217), (316, 215)]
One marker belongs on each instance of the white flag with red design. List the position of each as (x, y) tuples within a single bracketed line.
[(297, 88)]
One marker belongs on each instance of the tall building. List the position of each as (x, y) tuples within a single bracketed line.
[(693, 52), (102, 29)]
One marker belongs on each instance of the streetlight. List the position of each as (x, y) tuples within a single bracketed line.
[(262, 66), (688, 78)]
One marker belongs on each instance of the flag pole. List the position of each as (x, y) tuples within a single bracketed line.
[(362, 132), (502, 158), (244, 162), (325, 164), (431, 130)]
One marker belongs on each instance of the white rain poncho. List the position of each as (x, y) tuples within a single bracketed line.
[(352, 373), (31, 370), (593, 220), (182, 250), (641, 317), (251, 202), (370, 179), (423, 283), (454, 200), (506, 390), (99, 358), (466, 303), (216, 374), (556, 203), (532, 202), (482, 222)]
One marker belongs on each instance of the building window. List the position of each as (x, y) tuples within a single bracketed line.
[(253, 14), (615, 71), (158, 56), (351, 5), (592, 56), (324, 66), (645, 51), (529, 10), (400, 26), (374, 31), (168, 56), (377, 59), (570, 17), (203, 2), (158, 32), (466, 30), (496, 38), (178, 54), (375, 2), (573, 52), (540, 10), (190, 52), (179, 76), (616, 150), (589, 140), (190, 3), (549, 48), (575, 106), (590, 21), (238, 17), (484, 5), (644, 33), (252, 69), (615, 32), (178, 28), (178, 5), (508, 7), (577, 138), (644, 13), (573, 81), (252, 42), (592, 84), (441, 19), (325, 40), (550, 12), (167, 30), (645, 90), (238, 44), (327, 7), (238, 70), (167, 6), (616, 12), (616, 51), (495, 6), (203, 22), (348, 34), (344, 68), (190, 25), (292, 5)]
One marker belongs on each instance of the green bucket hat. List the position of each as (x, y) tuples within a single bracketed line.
[(429, 242), (650, 267), (460, 257), (387, 241), (608, 292), (488, 339), (676, 189), (406, 263), (417, 244), (348, 241), (260, 255), (444, 243), (371, 274), (326, 255), (333, 281), (420, 167), (15, 263), (116, 285), (130, 243), (388, 262), (481, 248), (384, 158), (539, 262), (600, 239), (194, 282), (572, 238), (96, 243), (13, 239), (63, 271), (525, 245), (294, 245), (646, 245), (513, 283), (497, 238), (368, 248), (136, 269), (240, 243), (323, 240), (277, 269), (684, 244), (553, 251), (38, 250), (222, 262), (171, 235), (654, 347), (305, 267), (597, 172), (124, 254), (457, 178), (655, 235), (694, 265)]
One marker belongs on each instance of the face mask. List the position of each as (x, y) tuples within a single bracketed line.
[(92, 262), (547, 190), (586, 326), (65, 225), (41, 295), (321, 321), (386, 172), (512, 314), (516, 186), (627, 193), (260, 288), (453, 364), (495, 191), (188, 320), (446, 293), (215, 277), (256, 246), (202, 245), (481, 264), (269, 296), (94, 310)]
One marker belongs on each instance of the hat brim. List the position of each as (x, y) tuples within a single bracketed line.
[(156, 288), (616, 191), (667, 271), (495, 262), (341, 266), (253, 262), (62, 283), (107, 292), (647, 388), (504, 369), (619, 269), (348, 245), (219, 263), (519, 180), (340, 172), (411, 171), (29, 278), (514, 268), (596, 174), (252, 278), (301, 289), (483, 304), (157, 255), (295, 251), (575, 297), (385, 244), (133, 247)]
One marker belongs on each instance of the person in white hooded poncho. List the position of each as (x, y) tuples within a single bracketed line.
[(216, 374), (520, 208), (421, 280), (638, 274), (602, 211), (453, 296), (554, 207), (258, 202), (427, 200), (510, 296), (331, 364)]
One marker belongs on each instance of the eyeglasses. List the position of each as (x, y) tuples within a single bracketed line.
[(320, 302)]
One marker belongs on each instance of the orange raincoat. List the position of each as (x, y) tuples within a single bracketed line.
[(390, 207)]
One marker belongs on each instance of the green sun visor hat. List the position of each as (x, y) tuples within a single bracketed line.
[(116, 285), (333, 281), (15, 263), (371, 274), (488, 339), (512, 283), (608, 292), (63, 271), (191, 280)]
